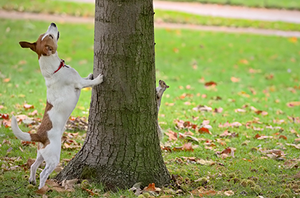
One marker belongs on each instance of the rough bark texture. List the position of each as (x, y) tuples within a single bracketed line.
[(122, 145)]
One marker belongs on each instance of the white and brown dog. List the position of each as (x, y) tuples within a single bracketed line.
[(63, 89)]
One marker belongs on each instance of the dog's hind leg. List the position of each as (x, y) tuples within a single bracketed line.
[(33, 168), (50, 166)]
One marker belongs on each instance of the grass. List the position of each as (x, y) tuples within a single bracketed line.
[(87, 10), (286, 4), (186, 18), (249, 70)]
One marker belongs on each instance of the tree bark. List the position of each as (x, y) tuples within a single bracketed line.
[(122, 145)]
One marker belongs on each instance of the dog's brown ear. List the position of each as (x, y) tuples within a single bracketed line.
[(25, 44)]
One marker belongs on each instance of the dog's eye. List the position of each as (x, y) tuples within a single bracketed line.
[(51, 36)]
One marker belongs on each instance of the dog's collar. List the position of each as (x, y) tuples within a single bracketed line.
[(62, 64)]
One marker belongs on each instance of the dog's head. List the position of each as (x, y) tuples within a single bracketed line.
[(46, 45)]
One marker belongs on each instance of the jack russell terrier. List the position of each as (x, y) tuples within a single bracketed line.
[(63, 89)]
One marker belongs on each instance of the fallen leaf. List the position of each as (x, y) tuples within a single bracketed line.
[(227, 124), (205, 162), (42, 190), (203, 192), (229, 193), (150, 187), (176, 50), (234, 79), (293, 39), (218, 110), (282, 137), (204, 130), (34, 113), (226, 133), (187, 147), (293, 104), (244, 61), (227, 152), (297, 146), (6, 80), (202, 108), (172, 135), (28, 106), (273, 153), (210, 83), (29, 163), (4, 116), (240, 110)]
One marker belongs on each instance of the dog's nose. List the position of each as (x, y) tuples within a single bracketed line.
[(53, 24)]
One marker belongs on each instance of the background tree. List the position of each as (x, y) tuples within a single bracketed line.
[(122, 145)]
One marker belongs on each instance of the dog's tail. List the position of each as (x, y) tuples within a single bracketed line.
[(17, 131)]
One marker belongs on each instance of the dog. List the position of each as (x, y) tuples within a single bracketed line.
[(63, 89)]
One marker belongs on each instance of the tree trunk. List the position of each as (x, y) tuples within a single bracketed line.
[(122, 145)]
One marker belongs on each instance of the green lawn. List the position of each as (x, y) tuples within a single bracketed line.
[(285, 4), (255, 76), (87, 10)]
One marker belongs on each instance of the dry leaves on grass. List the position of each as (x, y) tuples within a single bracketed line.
[(297, 146), (273, 153), (233, 124), (51, 184), (151, 189), (185, 147), (227, 152), (227, 133)]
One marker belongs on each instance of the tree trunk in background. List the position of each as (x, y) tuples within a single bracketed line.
[(122, 145)]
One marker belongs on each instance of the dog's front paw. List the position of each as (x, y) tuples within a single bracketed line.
[(99, 79)]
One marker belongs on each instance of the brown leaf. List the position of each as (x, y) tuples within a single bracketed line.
[(227, 152), (226, 134), (240, 110), (178, 148), (210, 83), (229, 193), (34, 113), (297, 176), (244, 61), (205, 162), (6, 80), (28, 106), (264, 137), (227, 124), (202, 108), (282, 137), (201, 192), (273, 153), (293, 104), (297, 146), (234, 79), (204, 130), (4, 116), (29, 162), (187, 147), (43, 190), (172, 135), (218, 110), (150, 187), (166, 148), (293, 39)]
